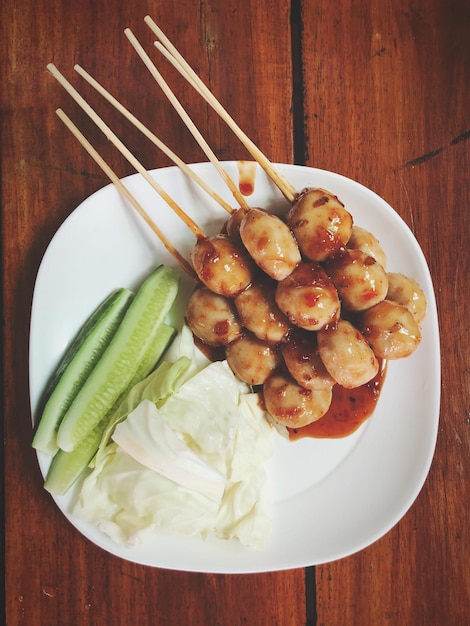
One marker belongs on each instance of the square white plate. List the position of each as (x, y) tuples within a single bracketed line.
[(330, 498)]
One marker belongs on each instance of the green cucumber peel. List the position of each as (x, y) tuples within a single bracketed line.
[(163, 337), (119, 363), (76, 365), (67, 467)]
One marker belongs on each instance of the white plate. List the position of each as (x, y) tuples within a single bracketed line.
[(330, 498)]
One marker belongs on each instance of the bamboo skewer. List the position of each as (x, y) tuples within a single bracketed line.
[(126, 193), (171, 53), (152, 137), (186, 119), (124, 150)]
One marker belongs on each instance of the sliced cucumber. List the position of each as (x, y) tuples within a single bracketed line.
[(67, 467), (162, 339), (119, 362), (76, 365)]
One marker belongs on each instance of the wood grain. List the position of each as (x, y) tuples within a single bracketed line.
[(387, 104), (55, 576), (381, 95)]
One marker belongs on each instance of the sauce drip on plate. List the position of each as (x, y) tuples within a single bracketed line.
[(246, 177)]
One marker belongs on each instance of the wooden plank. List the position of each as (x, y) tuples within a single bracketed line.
[(242, 49), (386, 103)]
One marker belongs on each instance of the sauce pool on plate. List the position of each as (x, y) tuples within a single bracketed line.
[(348, 410)]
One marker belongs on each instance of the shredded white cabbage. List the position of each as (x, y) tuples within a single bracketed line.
[(194, 465)]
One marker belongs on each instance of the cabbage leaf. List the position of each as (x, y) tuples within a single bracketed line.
[(187, 453)]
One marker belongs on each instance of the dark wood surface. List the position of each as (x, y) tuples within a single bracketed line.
[(375, 90)]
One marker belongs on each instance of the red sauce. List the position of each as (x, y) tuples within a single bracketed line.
[(349, 409), (246, 188), (246, 174)]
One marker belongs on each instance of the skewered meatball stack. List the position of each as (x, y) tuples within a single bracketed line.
[(302, 304)]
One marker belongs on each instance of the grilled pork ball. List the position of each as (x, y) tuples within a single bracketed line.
[(270, 243), (252, 360), (390, 329), (212, 318), (293, 405), (320, 223), (346, 354), (308, 297), (222, 265), (361, 281), (406, 291), (362, 239), (259, 312), (303, 361)]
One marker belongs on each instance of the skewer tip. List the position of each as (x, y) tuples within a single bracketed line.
[(132, 38)]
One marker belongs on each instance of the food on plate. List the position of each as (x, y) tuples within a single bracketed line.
[(118, 364), (406, 291), (314, 325), (187, 454), (212, 318), (270, 243), (222, 265), (291, 340), (76, 364), (259, 313), (302, 359), (320, 223), (308, 297), (362, 239), (326, 270), (291, 404), (133, 345), (391, 330), (252, 359), (346, 355), (67, 467), (301, 307), (359, 279)]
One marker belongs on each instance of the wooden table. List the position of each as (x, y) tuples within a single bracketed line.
[(375, 90)]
